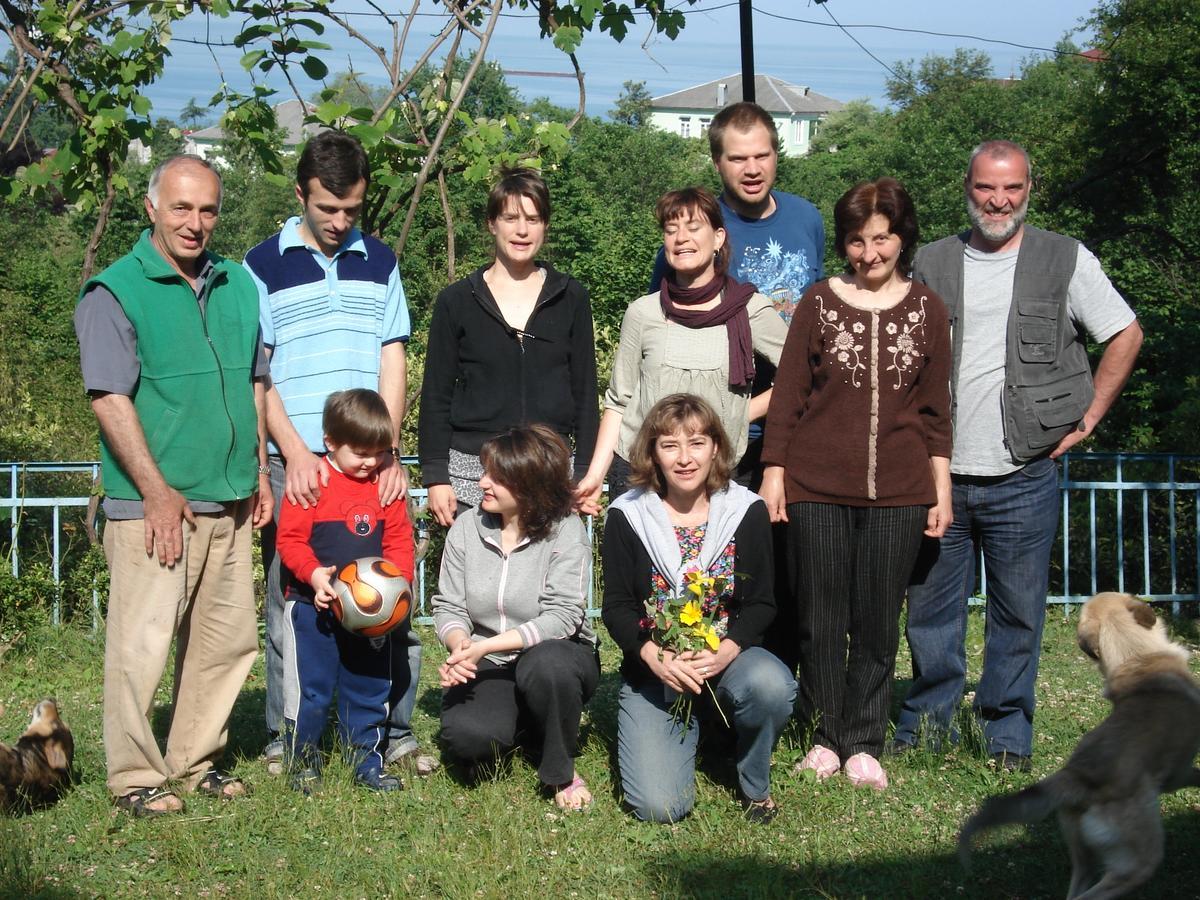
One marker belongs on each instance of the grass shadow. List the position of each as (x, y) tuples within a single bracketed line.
[(429, 700), (1026, 864)]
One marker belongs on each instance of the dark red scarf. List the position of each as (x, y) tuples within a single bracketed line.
[(730, 312)]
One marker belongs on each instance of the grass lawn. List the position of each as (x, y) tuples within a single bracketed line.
[(502, 838)]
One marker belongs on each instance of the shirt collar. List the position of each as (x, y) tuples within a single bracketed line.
[(205, 273), (289, 238), (156, 266)]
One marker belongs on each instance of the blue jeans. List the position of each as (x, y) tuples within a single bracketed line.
[(406, 646), (657, 755), (1013, 519), (323, 661)]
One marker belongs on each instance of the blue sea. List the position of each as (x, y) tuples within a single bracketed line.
[(793, 40)]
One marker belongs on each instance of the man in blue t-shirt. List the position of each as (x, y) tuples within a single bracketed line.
[(777, 240), (777, 243)]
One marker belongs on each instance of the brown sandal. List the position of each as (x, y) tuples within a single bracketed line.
[(138, 802), (223, 787), (760, 812)]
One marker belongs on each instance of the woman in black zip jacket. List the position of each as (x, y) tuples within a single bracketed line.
[(510, 344)]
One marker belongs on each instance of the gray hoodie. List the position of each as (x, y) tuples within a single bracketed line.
[(540, 588)]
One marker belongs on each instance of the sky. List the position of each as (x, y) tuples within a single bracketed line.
[(796, 40)]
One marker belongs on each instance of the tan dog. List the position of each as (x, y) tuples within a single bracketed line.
[(1106, 796), (37, 769)]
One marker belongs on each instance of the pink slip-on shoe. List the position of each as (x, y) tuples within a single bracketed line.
[(864, 770), (823, 761)]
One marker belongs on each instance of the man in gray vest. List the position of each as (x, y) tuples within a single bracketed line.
[(1021, 301)]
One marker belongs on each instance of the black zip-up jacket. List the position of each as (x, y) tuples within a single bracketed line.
[(483, 376)]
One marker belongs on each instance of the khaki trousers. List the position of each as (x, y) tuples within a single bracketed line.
[(206, 603)]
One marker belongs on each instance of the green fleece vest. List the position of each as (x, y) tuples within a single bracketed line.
[(194, 395)]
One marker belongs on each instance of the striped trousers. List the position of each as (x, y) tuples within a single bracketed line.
[(849, 567)]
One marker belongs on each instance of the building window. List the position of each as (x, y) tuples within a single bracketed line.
[(704, 126), (800, 131), (685, 126)]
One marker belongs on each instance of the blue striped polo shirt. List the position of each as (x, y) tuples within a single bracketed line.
[(325, 320)]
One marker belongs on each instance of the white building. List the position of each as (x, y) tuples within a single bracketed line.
[(796, 109)]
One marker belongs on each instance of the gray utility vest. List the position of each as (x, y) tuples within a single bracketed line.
[(1047, 376)]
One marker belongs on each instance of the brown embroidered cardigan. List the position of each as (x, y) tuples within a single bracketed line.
[(862, 400)]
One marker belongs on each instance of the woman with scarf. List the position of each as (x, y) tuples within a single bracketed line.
[(696, 335), (682, 519)]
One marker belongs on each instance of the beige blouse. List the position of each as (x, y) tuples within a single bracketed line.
[(657, 357)]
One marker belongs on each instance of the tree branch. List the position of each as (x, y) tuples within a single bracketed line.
[(435, 147), (579, 113), (448, 215), (103, 212)]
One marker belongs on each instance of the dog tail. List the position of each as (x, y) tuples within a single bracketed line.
[(1022, 808)]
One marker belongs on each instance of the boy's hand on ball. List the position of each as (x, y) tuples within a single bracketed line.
[(322, 591)]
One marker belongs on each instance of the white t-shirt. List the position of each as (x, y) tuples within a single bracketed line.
[(1093, 303)]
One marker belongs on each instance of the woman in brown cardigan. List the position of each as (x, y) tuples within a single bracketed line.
[(856, 457)]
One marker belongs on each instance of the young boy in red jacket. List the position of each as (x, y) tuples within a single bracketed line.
[(320, 657)]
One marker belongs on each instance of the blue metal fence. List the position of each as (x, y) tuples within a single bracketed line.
[(1129, 522)]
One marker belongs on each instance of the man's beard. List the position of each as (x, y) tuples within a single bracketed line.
[(997, 233)]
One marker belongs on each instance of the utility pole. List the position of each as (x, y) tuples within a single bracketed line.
[(747, 23)]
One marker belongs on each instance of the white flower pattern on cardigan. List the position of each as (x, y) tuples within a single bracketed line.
[(904, 348), (847, 348), (906, 338)]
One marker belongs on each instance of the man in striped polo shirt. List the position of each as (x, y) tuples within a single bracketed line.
[(334, 317)]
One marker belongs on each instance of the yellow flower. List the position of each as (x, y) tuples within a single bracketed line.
[(712, 639), (691, 613), (696, 589)]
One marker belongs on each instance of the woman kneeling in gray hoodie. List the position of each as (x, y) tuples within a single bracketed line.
[(511, 610)]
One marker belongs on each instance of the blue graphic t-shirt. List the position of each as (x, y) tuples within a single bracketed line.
[(780, 255)]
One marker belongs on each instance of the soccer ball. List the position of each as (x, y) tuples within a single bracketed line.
[(371, 597)]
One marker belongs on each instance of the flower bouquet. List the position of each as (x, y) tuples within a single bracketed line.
[(684, 624)]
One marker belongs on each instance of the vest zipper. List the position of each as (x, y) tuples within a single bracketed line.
[(221, 379)]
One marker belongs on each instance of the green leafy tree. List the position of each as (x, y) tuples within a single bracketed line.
[(93, 61), (937, 73), (1140, 136), (633, 105), (165, 140), (542, 109), (603, 231), (193, 115)]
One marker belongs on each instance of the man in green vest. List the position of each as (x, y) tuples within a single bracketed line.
[(173, 362), (1022, 304)]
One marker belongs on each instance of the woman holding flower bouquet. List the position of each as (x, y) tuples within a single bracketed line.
[(511, 610), (856, 455), (688, 594)]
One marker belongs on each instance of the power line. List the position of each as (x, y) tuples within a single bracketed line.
[(692, 10), (947, 34), (862, 47)]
